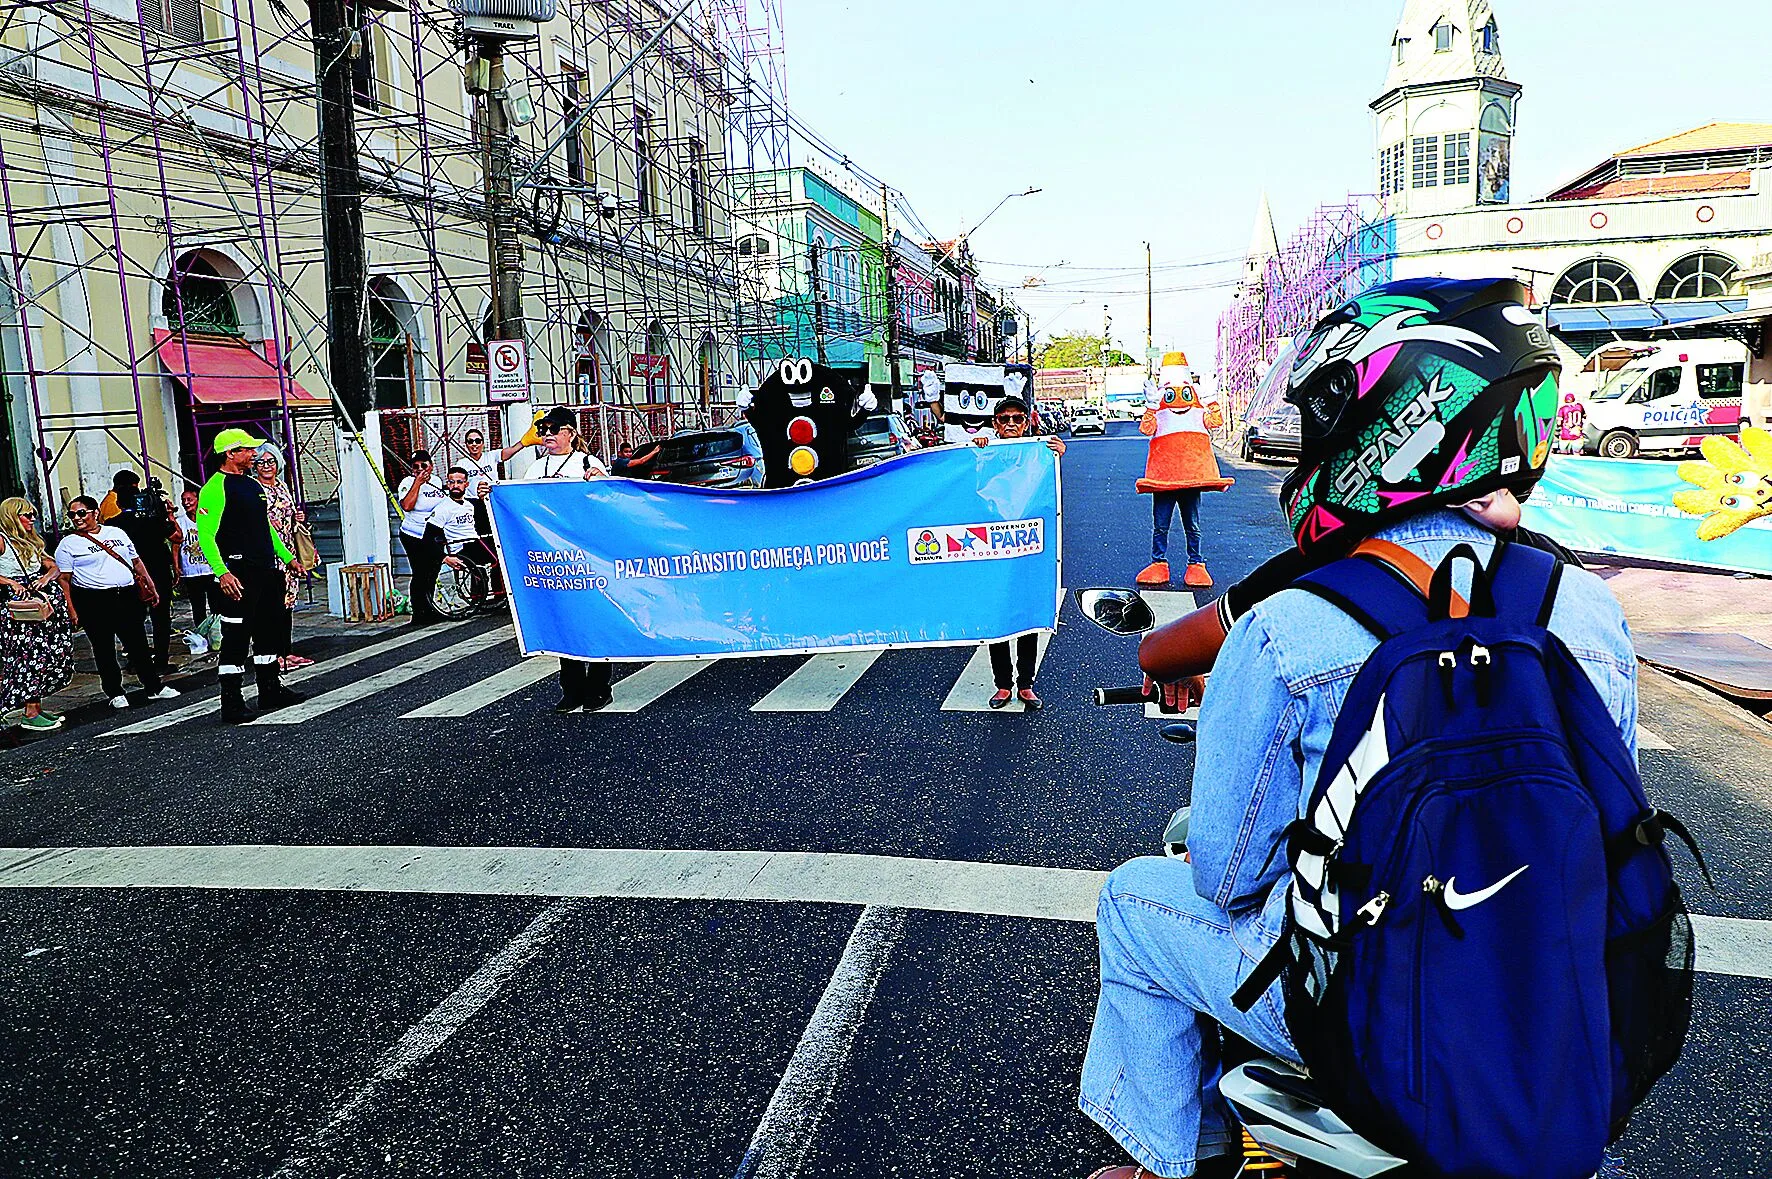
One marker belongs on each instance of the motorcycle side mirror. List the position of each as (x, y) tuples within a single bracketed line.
[(1117, 611)]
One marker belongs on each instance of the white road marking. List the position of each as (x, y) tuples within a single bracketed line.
[(636, 691), (1168, 605), (972, 691), (790, 1122), (1725, 945), (394, 676), (165, 720), (490, 690), (430, 1033), (817, 684), (1649, 739)]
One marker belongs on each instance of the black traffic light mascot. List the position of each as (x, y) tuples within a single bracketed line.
[(803, 413)]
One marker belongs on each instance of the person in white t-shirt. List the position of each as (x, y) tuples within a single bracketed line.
[(584, 686), (100, 570), (481, 468), (457, 517), (196, 578), (419, 494)]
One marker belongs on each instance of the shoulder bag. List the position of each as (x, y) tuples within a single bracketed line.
[(144, 587)]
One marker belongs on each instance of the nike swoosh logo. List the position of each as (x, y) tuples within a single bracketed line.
[(1458, 900)]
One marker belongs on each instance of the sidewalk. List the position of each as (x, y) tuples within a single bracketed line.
[(1712, 628)]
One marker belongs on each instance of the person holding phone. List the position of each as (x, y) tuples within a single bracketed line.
[(420, 494)]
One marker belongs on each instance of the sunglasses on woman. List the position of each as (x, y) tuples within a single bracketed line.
[(1012, 419)]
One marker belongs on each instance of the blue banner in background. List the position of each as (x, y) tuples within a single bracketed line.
[(1626, 506), (941, 547)]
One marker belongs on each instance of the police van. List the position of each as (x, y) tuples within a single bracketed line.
[(1667, 399)]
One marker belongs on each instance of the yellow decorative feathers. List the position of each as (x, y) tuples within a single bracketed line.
[(1734, 485)]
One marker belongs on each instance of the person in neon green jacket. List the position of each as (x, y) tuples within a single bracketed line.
[(234, 531)]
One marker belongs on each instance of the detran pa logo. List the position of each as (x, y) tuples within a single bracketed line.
[(991, 541)]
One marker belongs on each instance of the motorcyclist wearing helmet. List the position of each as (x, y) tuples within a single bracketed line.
[(1427, 409)]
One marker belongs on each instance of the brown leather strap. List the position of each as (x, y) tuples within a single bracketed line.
[(1409, 567)]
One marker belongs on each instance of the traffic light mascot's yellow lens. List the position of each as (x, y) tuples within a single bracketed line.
[(803, 413), (1176, 421)]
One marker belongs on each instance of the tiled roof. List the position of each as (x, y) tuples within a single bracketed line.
[(1710, 137), (1682, 182)]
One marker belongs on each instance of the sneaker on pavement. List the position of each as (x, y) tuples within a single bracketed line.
[(43, 722), (599, 703), (1156, 573), (165, 693), (568, 704), (119, 702)]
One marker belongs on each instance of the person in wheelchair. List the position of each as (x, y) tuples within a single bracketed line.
[(464, 548)]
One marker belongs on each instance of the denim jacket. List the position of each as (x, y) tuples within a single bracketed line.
[(1277, 688)]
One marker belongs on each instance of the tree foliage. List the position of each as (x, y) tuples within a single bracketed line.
[(1081, 351)]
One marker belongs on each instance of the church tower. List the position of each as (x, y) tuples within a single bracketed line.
[(1264, 247), (1444, 122)]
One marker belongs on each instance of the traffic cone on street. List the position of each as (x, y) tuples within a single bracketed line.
[(1156, 573)]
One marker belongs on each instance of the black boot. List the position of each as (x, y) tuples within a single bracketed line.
[(272, 694), (234, 709)]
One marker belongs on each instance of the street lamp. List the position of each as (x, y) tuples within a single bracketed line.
[(1029, 191)]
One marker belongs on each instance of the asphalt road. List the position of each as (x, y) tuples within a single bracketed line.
[(345, 985)]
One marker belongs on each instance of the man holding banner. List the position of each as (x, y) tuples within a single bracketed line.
[(948, 547)]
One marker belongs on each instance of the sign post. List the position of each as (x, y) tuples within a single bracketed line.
[(507, 371)]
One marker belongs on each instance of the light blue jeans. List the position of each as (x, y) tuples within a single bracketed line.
[(1169, 962)]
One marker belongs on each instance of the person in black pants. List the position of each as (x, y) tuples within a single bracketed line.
[(1010, 422), (100, 572), (147, 519), (420, 494), (234, 531)]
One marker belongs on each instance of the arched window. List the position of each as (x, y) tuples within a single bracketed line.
[(1697, 276), (392, 345), (1597, 280), (658, 343), (590, 347), (199, 299), (709, 364), (754, 243)]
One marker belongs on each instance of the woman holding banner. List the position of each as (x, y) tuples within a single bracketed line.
[(584, 687), (1015, 677)]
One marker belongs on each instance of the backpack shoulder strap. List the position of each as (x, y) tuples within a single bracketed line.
[(1369, 592), (1524, 580)]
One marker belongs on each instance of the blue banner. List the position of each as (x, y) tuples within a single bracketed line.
[(940, 547), (1625, 506)]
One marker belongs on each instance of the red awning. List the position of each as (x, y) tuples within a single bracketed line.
[(219, 371)]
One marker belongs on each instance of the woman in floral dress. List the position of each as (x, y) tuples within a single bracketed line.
[(285, 515), (36, 658)]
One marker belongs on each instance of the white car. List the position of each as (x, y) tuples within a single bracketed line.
[(1087, 420)]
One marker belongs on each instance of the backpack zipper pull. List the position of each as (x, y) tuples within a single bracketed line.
[(1434, 888), (1373, 909), (1448, 664), (1481, 662), (1431, 886)]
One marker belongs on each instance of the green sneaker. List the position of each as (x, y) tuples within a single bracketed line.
[(41, 723)]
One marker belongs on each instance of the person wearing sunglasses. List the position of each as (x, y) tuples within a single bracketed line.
[(1014, 678), (249, 559), (109, 592), (420, 493), (36, 653)]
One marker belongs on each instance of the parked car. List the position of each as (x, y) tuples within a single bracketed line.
[(1086, 419), (878, 438), (729, 457), (1272, 435)]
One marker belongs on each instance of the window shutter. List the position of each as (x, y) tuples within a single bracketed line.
[(152, 16), (187, 19)]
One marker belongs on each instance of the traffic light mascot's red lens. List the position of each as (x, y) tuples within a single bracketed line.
[(803, 413), (1179, 466)]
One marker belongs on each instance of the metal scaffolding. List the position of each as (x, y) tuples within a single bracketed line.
[(159, 175), (1340, 251)]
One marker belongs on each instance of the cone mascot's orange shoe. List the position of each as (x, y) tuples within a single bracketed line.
[(1156, 573), (1196, 577)]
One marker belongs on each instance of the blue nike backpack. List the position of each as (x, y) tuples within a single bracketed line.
[(1487, 961)]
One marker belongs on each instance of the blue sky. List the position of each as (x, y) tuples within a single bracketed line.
[(1163, 120)]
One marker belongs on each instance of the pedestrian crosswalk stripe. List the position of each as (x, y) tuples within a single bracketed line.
[(490, 690), (1168, 605), (165, 720), (338, 698), (972, 691), (636, 691), (1649, 739), (817, 684)]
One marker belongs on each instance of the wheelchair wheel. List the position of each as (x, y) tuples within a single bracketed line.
[(459, 592)]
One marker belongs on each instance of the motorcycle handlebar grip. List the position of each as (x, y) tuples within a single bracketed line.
[(1121, 695), (1184, 648)]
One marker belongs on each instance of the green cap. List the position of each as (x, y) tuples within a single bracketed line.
[(232, 439)]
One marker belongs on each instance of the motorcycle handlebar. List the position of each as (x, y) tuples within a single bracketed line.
[(1121, 696)]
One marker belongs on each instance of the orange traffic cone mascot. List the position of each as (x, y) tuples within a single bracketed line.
[(1179, 467)]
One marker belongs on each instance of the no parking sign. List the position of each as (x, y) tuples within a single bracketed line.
[(507, 370)]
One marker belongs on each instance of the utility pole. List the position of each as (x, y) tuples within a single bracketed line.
[(504, 245), (812, 251), (891, 297), (335, 25), (1107, 334), (1150, 369)]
